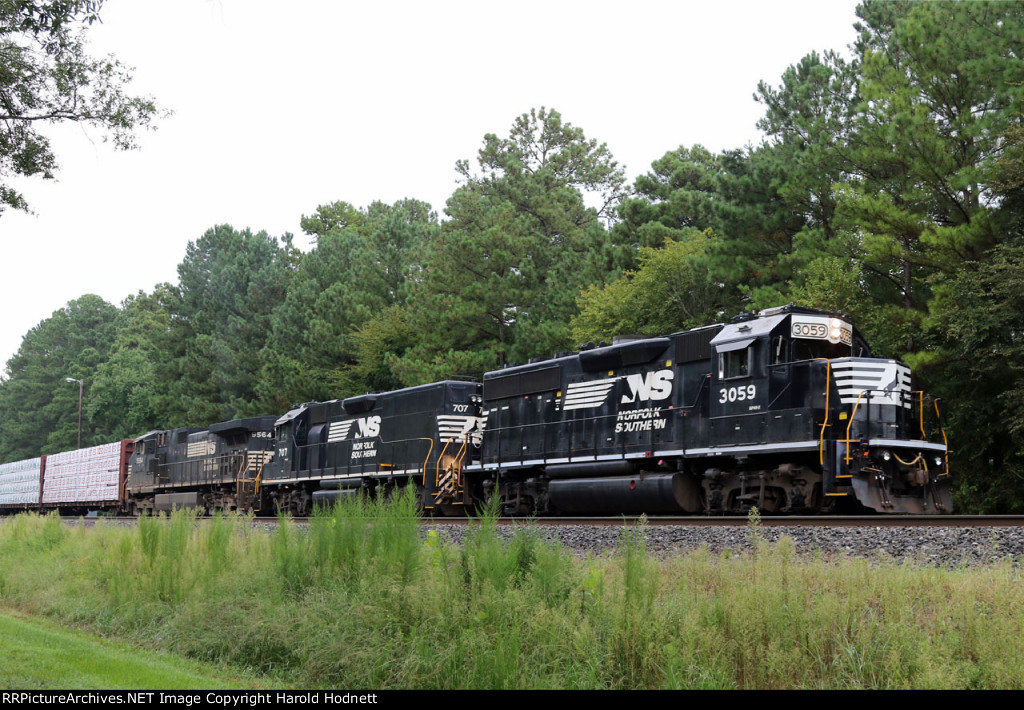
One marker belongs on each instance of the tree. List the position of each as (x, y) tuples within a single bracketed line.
[(808, 120), (941, 83), (759, 228), (679, 193), (501, 281), (672, 290), (333, 217), (362, 265), (47, 77), (38, 408), (230, 282), (544, 153), (132, 390), (979, 371)]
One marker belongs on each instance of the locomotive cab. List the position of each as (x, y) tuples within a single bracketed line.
[(837, 425), (769, 396)]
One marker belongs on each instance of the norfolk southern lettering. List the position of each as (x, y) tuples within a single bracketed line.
[(640, 420)]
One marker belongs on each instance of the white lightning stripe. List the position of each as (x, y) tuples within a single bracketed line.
[(458, 427), (593, 391), (852, 378), (595, 385), (580, 395), (590, 398), (853, 383), (338, 431)]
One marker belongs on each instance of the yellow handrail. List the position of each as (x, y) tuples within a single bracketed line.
[(920, 407), (427, 459), (458, 463), (239, 481), (259, 477), (853, 415), (437, 467)]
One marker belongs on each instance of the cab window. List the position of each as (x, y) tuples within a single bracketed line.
[(735, 363)]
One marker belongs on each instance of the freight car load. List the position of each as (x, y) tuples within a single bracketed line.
[(20, 483), (71, 482)]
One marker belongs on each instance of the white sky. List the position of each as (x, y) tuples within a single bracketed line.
[(280, 107)]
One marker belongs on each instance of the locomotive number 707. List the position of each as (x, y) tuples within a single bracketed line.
[(734, 394)]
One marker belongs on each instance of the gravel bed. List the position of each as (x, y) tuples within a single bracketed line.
[(947, 547), (937, 546)]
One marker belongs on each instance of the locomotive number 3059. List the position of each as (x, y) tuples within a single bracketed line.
[(737, 394)]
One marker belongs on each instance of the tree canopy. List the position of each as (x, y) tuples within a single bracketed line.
[(47, 77)]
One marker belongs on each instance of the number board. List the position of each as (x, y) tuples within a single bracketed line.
[(833, 330)]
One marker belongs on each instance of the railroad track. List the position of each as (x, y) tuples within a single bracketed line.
[(816, 521)]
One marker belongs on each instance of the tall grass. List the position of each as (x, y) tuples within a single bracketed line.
[(364, 597)]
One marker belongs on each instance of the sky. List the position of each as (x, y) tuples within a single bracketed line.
[(277, 111)]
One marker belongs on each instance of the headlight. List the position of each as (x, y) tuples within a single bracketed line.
[(886, 455), (938, 460), (835, 328)]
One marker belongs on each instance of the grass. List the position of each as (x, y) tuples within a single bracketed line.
[(362, 599), (42, 655)]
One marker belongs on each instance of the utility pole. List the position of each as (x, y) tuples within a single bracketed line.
[(80, 385)]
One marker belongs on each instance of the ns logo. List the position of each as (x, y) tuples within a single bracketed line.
[(368, 426), (649, 386)]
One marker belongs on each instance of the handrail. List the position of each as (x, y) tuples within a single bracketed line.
[(259, 477), (427, 459), (457, 464), (828, 382), (789, 381), (241, 467), (461, 455), (437, 467), (853, 415), (920, 407), (945, 441), (696, 399)]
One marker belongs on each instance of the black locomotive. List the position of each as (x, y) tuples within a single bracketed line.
[(373, 442), (785, 410), (216, 468)]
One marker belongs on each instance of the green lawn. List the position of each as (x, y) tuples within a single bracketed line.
[(38, 654)]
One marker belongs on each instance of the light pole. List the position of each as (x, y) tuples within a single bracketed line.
[(80, 385)]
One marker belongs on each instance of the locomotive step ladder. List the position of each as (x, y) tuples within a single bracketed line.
[(448, 476), (247, 481)]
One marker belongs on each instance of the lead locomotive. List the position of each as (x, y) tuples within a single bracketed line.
[(785, 410)]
